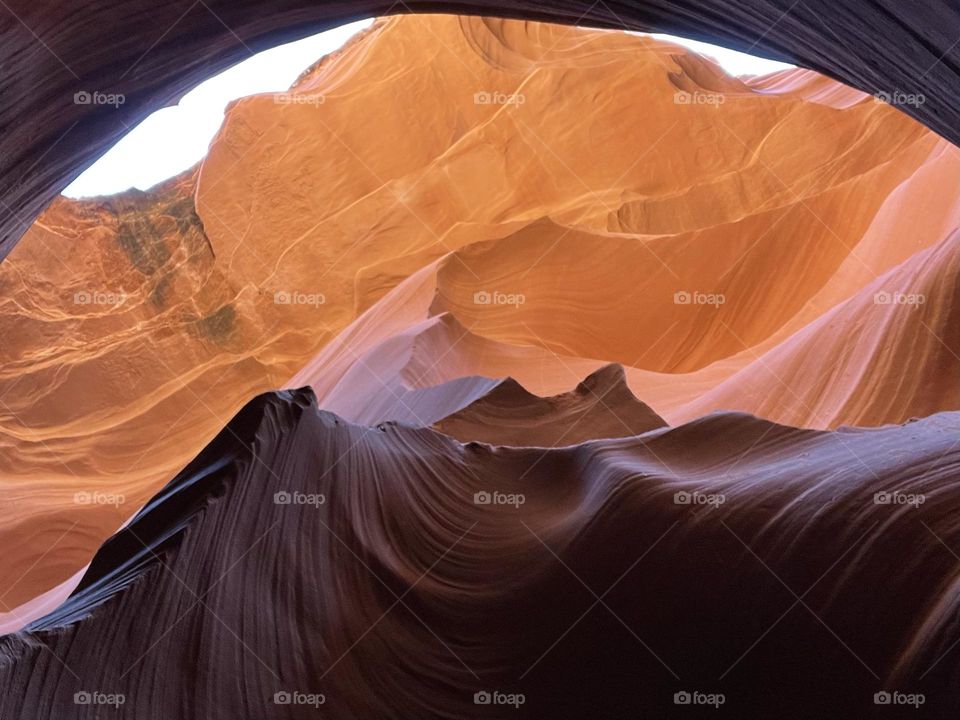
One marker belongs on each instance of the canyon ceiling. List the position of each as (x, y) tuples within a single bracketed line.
[(153, 53), (496, 368)]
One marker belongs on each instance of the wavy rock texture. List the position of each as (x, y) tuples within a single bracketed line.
[(152, 53), (404, 261), (302, 554), (602, 406)]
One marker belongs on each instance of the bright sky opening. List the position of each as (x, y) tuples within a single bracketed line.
[(734, 62), (174, 139)]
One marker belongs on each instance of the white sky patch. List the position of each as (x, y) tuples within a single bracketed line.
[(174, 139), (733, 61)]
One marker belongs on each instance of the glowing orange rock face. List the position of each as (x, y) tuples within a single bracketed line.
[(454, 197)]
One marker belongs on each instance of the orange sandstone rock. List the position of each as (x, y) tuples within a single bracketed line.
[(458, 200)]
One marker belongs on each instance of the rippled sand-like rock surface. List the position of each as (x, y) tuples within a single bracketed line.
[(448, 202), (395, 572)]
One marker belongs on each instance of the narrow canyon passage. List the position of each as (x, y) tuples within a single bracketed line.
[(495, 368)]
